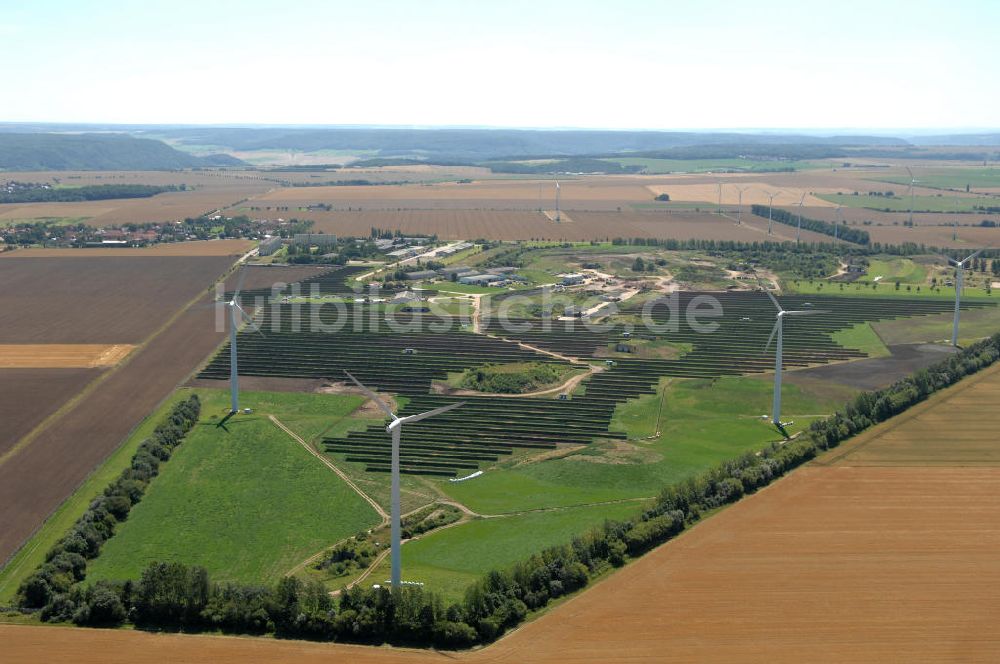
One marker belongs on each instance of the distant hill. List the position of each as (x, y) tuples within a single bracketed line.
[(97, 152), (472, 145)]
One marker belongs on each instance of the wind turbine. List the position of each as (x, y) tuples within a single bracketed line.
[(778, 330), (719, 185), (913, 181), (395, 427), (798, 232), (836, 224), (959, 278), (557, 201), (236, 310), (770, 202), (954, 228), (739, 205)]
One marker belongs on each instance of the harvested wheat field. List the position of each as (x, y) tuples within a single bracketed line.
[(62, 356), (958, 428), (835, 563)]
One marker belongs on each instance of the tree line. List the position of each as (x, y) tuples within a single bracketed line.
[(37, 193), (843, 232), (66, 563)]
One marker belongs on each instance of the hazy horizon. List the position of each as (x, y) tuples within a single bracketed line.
[(637, 65)]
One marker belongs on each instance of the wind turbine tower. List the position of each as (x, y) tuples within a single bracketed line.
[(395, 429), (913, 181), (778, 331), (739, 205), (557, 202), (236, 316), (959, 281)]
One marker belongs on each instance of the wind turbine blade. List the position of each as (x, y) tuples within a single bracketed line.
[(371, 395), (249, 319), (774, 331), (807, 312), (973, 256), (773, 299), (910, 172), (431, 413), (239, 282)]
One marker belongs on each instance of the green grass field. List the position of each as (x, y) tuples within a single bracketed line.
[(891, 270), (951, 178), (249, 503), (703, 423), (863, 338), (973, 325), (449, 560), (901, 202), (884, 289), (657, 166)]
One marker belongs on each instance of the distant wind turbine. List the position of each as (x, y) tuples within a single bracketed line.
[(913, 181), (719, 185), (395, 427), (959, 279), (778, 330), (739, 205), (770, 206), (836, 224), (557, 201), (798, 232)]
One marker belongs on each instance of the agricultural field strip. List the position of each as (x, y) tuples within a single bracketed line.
[(62, 356), (962, 415)]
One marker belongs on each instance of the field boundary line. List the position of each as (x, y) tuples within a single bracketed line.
[(329, 464)]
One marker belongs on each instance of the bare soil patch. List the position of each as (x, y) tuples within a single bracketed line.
[(876, 373)]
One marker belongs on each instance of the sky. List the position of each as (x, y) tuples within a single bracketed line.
[(628, 64)]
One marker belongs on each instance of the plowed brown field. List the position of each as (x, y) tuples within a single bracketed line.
[(97, 299), (28, 396)]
